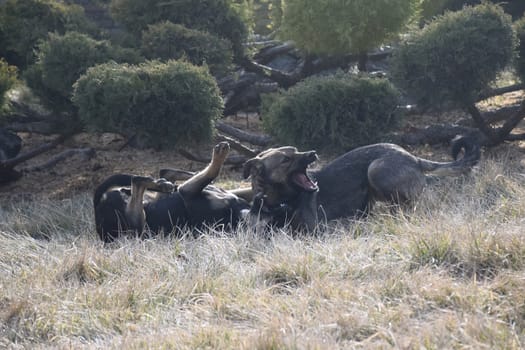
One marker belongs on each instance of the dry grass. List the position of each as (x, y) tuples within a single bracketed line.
[(448, 274)]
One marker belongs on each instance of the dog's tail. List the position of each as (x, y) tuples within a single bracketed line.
[(112, 181), (472, 153)]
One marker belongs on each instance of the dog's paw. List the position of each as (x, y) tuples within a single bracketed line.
[(164, 185), (221, 150)]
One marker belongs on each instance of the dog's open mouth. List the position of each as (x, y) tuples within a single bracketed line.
[(302, 180)]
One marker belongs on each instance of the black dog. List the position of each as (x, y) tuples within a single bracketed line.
[(128, 204), (348, 185)]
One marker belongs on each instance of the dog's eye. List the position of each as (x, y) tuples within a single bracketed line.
[(286, 159)]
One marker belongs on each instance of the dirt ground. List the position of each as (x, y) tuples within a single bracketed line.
[(78, 175)]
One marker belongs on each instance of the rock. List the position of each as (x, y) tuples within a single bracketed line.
[(10, 144)]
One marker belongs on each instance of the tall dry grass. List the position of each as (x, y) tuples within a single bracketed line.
[(448, 273)]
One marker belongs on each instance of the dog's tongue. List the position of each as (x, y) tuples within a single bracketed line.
[(304, 182)]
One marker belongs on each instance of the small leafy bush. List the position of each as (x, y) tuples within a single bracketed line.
[(167, 40), (333, 113), (8, 76), (62, 59), (213, 16), (24, 22), (165, 104), (455, 57)]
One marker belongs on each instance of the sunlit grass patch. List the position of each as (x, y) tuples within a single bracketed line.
[(447, 272), (49, 219)]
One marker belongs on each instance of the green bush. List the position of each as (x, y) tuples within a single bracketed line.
[(213, 16), (165, 104), (7, 79), (342, 26), (24, 22), (520, 61), (174, 41), (62, 59), (452, 60), (333, 113), (431, 8)]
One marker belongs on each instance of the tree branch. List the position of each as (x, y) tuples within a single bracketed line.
[(241, 135), (236, 145), (501, 91), (512, 122), (486, 129), (85, 153), (11, 163)]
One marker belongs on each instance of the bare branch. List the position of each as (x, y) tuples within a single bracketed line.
[(501, 91), (11, 163), (241, 135), (85, 153), (236, 145)]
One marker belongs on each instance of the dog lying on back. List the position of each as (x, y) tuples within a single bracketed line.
[(347, 186), (129, 204)]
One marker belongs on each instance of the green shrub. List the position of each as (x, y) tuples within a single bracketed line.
[(62, 59), (431, 8), (165, 104), (342, 26), (455, 57), (174, 41), (520, 61), (213, 16), (24, 22), (333, 113), (7, 79)]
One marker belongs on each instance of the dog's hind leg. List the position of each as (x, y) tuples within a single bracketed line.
[(135, 215), (197, 183), (397, 183)]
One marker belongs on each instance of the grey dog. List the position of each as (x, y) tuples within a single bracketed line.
[(347, 186)]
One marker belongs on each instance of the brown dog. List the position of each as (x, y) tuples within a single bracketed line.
[(348, 185)]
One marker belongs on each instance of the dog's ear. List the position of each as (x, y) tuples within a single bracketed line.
[(254, 164)]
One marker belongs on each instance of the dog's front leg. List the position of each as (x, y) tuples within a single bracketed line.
[(199, 181), (305, 216)]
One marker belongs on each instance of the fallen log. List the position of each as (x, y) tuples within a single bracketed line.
[(268, 53), (7, 171), (38, 127), (284, 79), (501, 91), (435, 134), (11, 163), (84, 153), (241, 135)]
